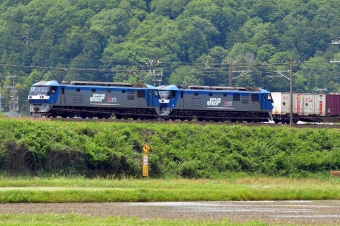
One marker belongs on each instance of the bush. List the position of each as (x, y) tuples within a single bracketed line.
[(177, 150)]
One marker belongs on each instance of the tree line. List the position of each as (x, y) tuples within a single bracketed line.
[(198, 42)]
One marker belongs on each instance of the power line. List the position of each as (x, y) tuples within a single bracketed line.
[(204, 70)]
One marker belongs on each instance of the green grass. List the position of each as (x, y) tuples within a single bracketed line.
[(75, 219), (63, 189), (49, 190)]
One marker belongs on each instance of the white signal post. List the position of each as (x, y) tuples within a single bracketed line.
[(145, 161)]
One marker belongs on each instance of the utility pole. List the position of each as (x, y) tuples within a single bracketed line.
[(290, 78), (140, 72), (231, 72), (157, 76), (0, 103), (13, 103), (243, 73), (291, 91)]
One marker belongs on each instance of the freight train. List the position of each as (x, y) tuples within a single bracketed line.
[(85, 99), (306, 107)]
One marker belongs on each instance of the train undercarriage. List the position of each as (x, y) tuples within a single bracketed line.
[(285, 119), (149, 114)]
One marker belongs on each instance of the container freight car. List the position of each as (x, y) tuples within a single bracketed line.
[(306, 107), (123, 100)]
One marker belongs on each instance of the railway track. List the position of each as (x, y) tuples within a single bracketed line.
[(306, 125)]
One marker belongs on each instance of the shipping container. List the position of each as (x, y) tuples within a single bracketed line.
[(333, 105), (281, 103), (306, 104)]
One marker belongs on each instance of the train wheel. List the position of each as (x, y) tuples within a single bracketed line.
[(104, 116), (53, 116), (65, 115)]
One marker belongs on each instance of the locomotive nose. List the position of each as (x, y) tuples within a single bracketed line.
[(164, 101)]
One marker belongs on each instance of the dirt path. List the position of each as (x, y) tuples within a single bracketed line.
[(273, 212)]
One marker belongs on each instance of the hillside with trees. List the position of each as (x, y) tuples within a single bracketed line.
[(198, 42)]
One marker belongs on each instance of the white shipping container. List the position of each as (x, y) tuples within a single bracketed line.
[(281, 103), (310, 104)]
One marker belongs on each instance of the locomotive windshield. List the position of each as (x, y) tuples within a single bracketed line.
[(167, 94), (270, 97), (36, 90)]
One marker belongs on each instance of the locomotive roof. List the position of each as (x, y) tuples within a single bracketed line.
[(163, 87), (219, 88), (46, 83), (121, 84), (167, 87)]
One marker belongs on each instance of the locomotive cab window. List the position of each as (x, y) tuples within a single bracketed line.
[(53, 90), (167, 94), (172, 94), (157, 94), (36, 90)]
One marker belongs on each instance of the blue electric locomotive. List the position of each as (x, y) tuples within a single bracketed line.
[(125, 100)]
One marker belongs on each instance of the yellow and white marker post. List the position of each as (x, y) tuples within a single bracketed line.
[(145, 160)]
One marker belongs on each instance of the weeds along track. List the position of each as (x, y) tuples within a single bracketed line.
[(306, 125)]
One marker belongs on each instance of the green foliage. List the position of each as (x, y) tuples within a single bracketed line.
[(108, 40), (178, 150)]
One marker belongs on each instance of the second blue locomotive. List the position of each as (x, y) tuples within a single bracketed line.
[(124, 100)]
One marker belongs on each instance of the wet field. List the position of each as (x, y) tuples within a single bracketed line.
[(320, 212)]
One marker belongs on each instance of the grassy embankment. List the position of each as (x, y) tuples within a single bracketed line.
[(36, 148), (131, 190), (62, 160), (220, 162)]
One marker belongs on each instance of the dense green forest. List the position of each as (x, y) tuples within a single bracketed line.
[(196, 42)]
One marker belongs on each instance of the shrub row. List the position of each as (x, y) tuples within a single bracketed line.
[(178, 150)]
